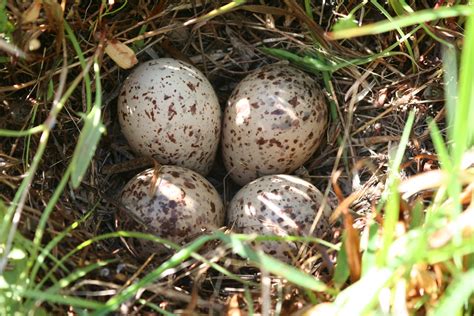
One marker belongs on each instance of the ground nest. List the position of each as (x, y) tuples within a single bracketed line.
[(369, 100)]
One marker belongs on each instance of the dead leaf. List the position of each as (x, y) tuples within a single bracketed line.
[(54, 14), (121, 54), (424, 281), (32, 13)]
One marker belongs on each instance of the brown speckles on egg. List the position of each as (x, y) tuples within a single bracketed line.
[(183, 204), (154, 120), (188, 184), (191, 86), (193, 109), (278, 205), (270, 118), (277, 112), (294, 101), (171, 111), (171, 138)]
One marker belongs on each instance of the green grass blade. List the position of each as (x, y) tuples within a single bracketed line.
[(182, 255), (404, 21), (155, 307), (341, 273), (391, 194), (406, 41), (77, 47), (457, 294), (46, 251), (463, 129), (77, 274), (86, 145), (274, 266), (417, 215), (91, 241), (369, 257), (30, 131), (397, 7), (90, 136), (317, 65), (440, 147), (448, 252), (359, 297), (60, 299), (308, 9)]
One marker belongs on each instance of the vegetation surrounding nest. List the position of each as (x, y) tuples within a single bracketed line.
[(400, 177)]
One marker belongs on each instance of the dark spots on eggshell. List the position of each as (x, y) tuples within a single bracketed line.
[(278, 112), (171, 138), (193, 109), (172, 204), (276, 142), (188, 184), (261, 141), (191, 86), (294, 101), (171, 111)]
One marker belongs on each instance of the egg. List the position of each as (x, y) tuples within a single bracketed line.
[(279, 205), (168, 110), (176, 203), (273, 123)]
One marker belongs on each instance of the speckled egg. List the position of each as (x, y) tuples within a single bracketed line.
[(279, 205), (167, 109), (274, 121), (173, 202)]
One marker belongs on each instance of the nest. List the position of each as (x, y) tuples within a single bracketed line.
[(370, 102)]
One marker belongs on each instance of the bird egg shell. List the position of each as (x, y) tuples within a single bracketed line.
[(168, 110), (279, 205), (174, 203), (273, 123)]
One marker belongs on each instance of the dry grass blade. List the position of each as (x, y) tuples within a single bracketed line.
[(352, 245), (352, 240), (11, 49), (32, 13), (216, 12), (464, 224), (430, 180)]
